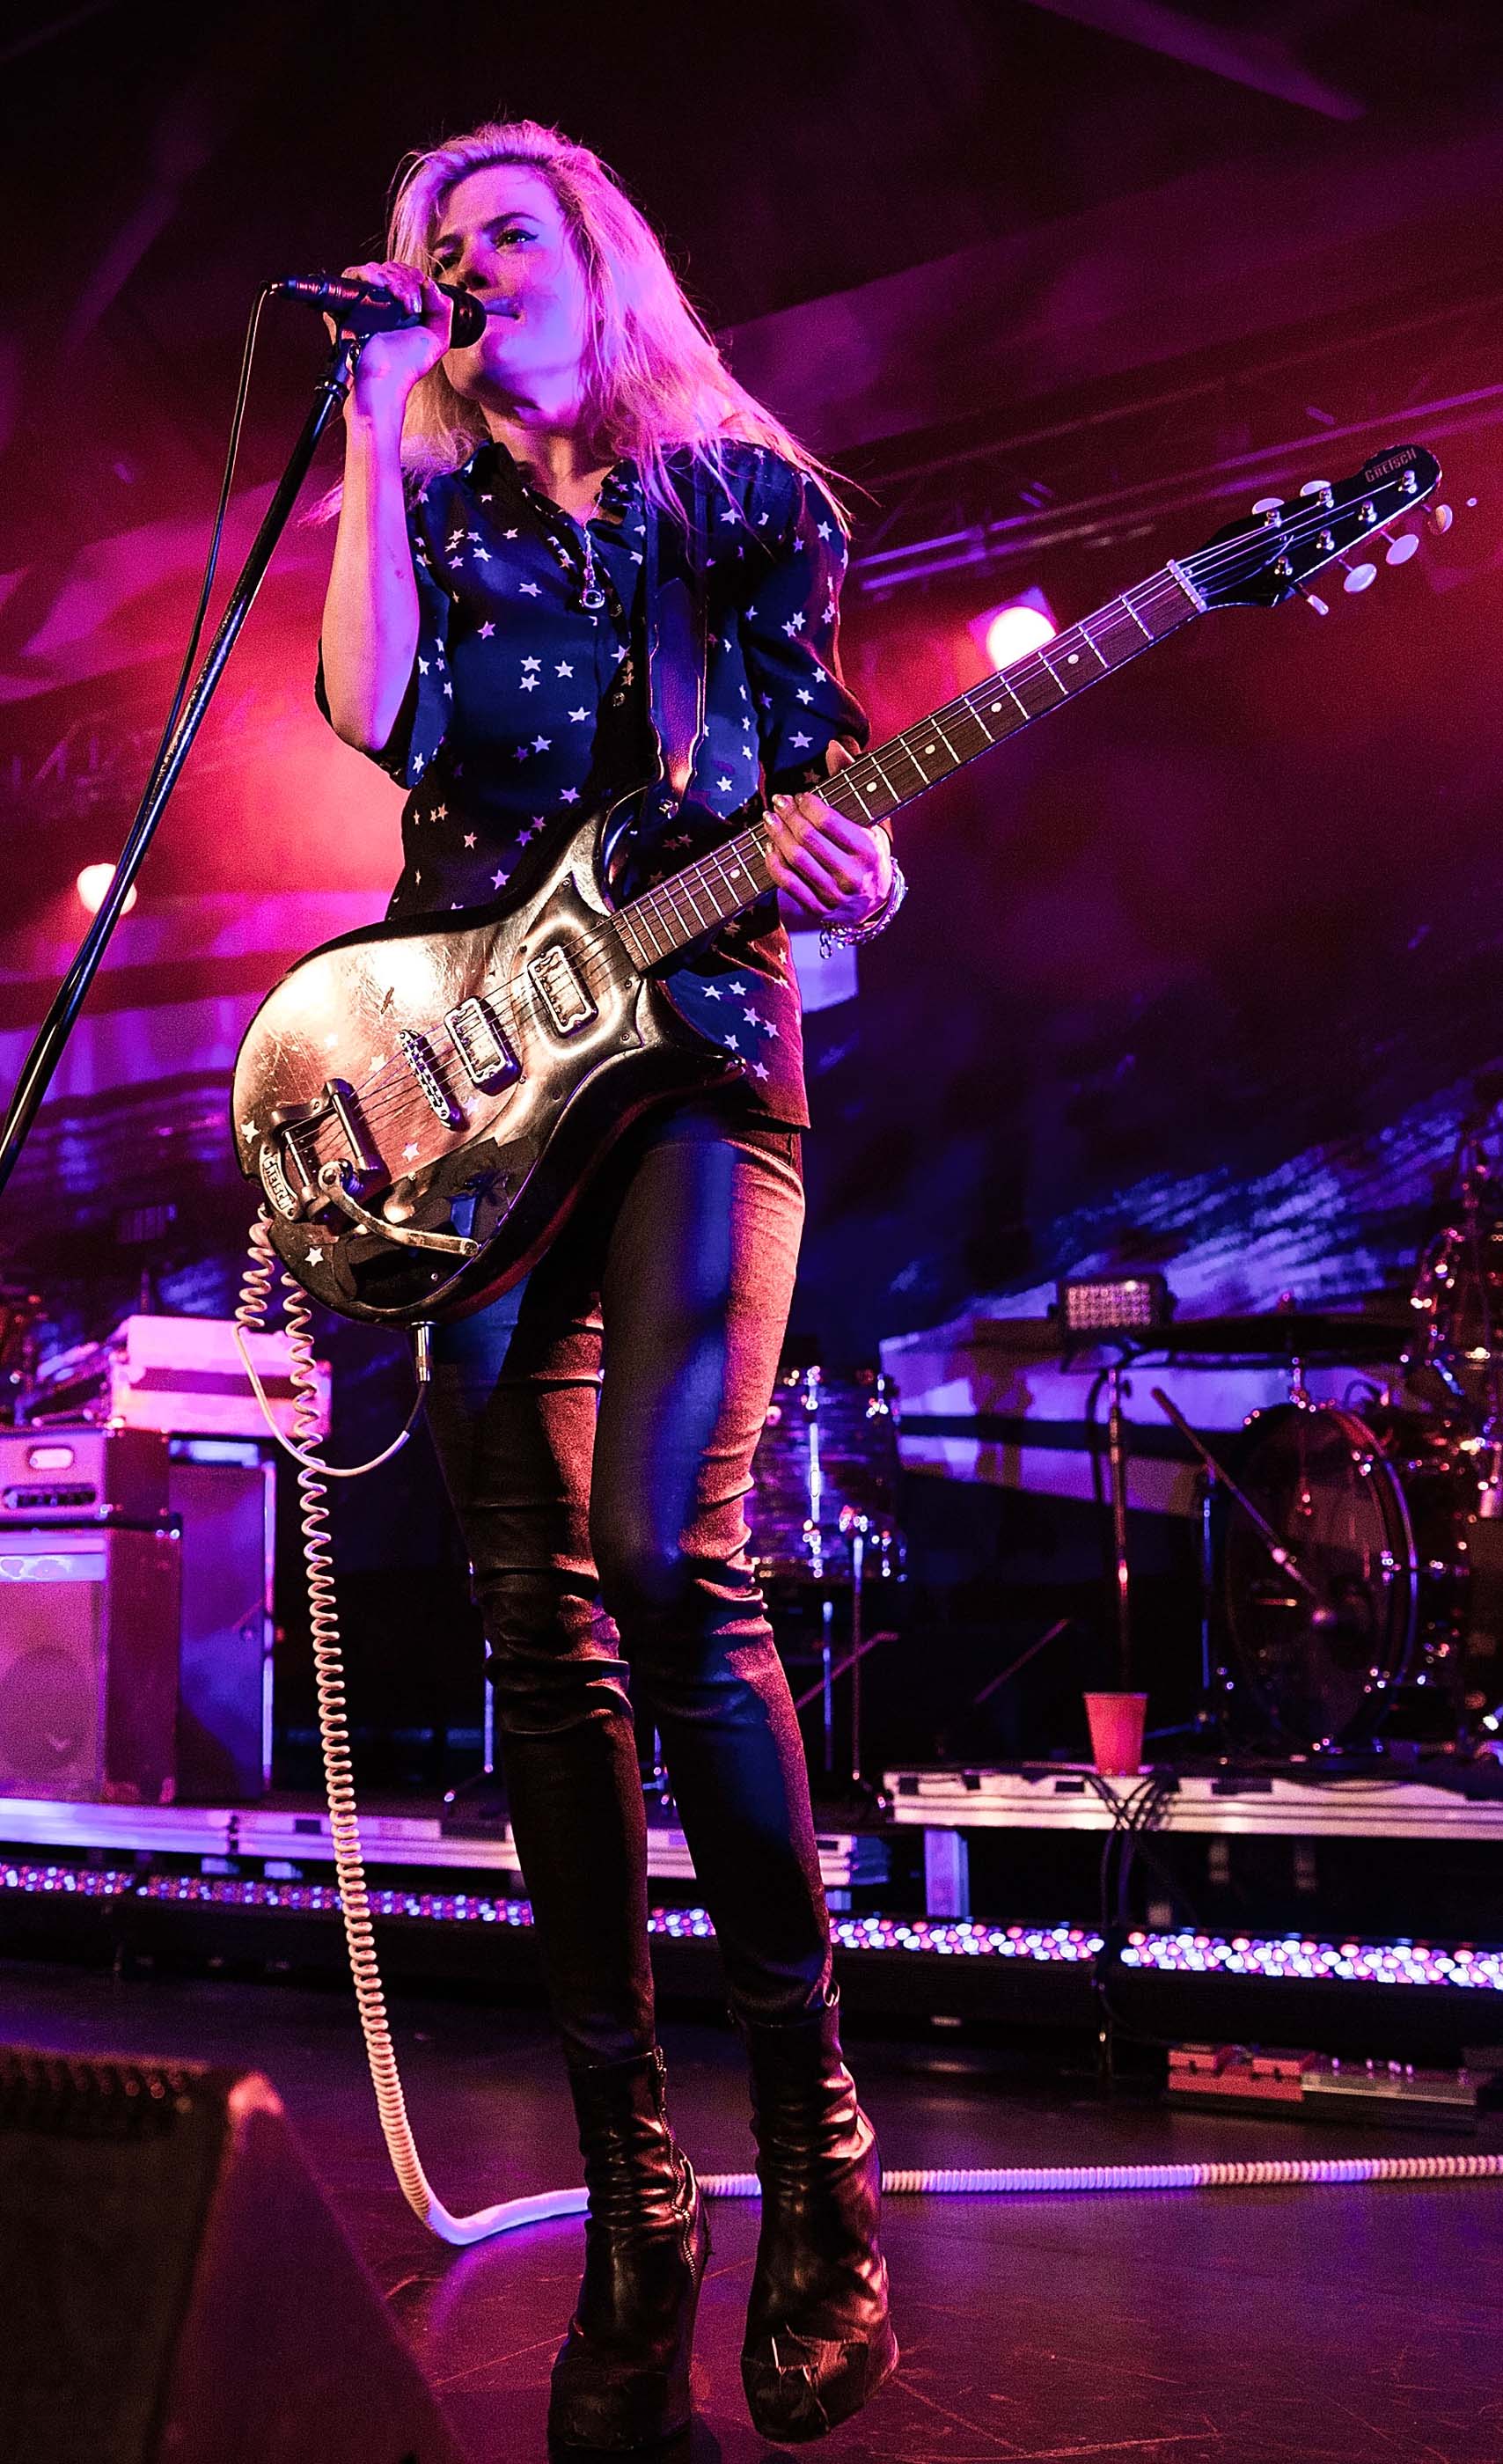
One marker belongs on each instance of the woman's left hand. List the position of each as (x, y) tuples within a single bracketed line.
[(827, 871)]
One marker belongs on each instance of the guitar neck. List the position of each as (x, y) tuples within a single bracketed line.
[(708, 893)]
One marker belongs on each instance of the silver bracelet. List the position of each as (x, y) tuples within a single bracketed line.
[(850, 937)]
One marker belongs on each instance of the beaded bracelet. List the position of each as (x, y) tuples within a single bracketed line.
[(850, 937)]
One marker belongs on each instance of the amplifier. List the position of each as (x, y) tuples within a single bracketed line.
[(184, 1375), (83, 1475), (88, 1665), (224, 1491)]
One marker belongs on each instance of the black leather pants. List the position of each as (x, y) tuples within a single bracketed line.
[(596, 1427)]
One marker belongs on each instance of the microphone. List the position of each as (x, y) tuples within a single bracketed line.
[(370, 310)]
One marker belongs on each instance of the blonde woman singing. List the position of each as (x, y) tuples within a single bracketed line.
[(596, 1425)]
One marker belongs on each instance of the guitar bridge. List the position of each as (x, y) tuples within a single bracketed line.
[(419, 1060)]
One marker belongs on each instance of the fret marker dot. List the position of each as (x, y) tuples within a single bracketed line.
[(996, 705), (1073, 659)]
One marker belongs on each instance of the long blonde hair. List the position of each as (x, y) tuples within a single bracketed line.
[(656, 382)]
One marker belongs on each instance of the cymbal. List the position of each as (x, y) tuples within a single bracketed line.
[(1283, 1335)]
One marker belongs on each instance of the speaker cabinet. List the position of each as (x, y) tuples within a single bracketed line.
[(88, 1663), (175, 2288), (224, 1660)]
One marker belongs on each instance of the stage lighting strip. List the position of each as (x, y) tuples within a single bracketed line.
[(1295, 1959), (69, 1882), (1300, 1959)]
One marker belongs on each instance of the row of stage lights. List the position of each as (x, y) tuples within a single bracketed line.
[(1005, 633), (1286, 1959)]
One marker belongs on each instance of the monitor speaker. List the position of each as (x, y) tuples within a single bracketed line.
[(174, 2287)]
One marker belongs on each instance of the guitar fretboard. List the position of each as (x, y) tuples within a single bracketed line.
[(709, 892)]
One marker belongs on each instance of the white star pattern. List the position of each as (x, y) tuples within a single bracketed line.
[(410, 1151), (248, 1128), (802, 553)]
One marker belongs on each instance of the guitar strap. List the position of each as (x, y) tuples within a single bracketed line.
[(674, 598)]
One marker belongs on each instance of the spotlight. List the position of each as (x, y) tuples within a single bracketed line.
[(92, 884), (1008, 632)]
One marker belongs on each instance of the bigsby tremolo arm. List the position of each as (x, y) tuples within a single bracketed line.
[(333, 1182)]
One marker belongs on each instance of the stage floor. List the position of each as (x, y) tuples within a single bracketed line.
[(1327, 2326)]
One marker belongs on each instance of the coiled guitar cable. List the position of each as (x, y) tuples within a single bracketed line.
[(1007, 2181)]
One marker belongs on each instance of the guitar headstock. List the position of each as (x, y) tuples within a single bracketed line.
[(1272, 552)]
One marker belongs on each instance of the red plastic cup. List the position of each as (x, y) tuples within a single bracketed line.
[(1117, 1734)]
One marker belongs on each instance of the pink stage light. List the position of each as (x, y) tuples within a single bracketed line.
[(92, 884), (1011, 632)]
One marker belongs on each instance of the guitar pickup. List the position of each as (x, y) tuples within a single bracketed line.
[(562, 989), (487, 1058)]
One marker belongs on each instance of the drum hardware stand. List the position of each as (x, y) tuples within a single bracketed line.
[(1213, 1476), (1117, 1472), (1004, 1675)]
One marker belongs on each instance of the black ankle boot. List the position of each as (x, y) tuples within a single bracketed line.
[(622, 2377), (819, 2342)]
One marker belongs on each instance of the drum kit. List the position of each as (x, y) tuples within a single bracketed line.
[(1352, 1556), (824, 1525)]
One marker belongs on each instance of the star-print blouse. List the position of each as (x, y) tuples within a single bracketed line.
[(508, 727)]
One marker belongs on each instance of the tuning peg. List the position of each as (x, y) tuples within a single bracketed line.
[(1358, 576), (1401, 549), (1318, 488), (1438, 520), (1268, 505), (1314, 602)]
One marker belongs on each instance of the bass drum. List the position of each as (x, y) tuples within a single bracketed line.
[(1376, 1520)]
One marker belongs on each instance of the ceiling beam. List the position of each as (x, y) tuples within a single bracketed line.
[(1251, 59)]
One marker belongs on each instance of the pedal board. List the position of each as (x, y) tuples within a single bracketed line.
[(1317, 2087)]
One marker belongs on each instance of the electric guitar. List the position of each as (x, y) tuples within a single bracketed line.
[(421, 1107)]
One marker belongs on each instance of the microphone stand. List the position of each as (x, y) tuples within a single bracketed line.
[(46, 1051)]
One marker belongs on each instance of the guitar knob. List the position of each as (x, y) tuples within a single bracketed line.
[(1358, 576), (1318, 488), (1314, 601), (1438, 520), (1401, 549), (1267, 504)]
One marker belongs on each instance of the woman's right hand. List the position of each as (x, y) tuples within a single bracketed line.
[(391, 365)]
